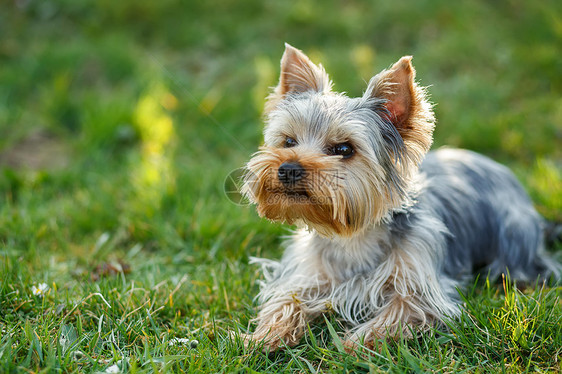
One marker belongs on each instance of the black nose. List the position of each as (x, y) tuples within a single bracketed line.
[(290, 173)]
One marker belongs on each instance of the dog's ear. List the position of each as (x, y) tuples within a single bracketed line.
[(396, 85), (406, 104), (298, 74)]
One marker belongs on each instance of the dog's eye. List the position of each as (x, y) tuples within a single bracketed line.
[(342, 149), (290, 142)]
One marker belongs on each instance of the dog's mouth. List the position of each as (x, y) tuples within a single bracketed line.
[(296, 193), (290, 195)]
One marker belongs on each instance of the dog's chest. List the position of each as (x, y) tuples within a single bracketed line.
[(345, 258)]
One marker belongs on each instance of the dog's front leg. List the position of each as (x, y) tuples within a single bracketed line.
[(281, 321), (398, 318), (288, 304), (411, 296)]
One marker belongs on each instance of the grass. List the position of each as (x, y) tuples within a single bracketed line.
[(120, 121)]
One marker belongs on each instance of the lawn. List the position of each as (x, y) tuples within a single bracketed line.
[(120, 121)]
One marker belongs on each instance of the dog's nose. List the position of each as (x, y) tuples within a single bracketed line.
[(290, 173)]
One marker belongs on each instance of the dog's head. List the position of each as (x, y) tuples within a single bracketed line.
[(334, 163)]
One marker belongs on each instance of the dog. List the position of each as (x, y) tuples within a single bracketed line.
[(387, 231)]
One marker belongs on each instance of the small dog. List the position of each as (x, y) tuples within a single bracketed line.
[(385, 239)]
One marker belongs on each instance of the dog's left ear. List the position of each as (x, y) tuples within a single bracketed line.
[(396, 85), (406, 103), (298, 74)]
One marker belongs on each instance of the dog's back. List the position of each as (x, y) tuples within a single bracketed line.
[(492, 222)]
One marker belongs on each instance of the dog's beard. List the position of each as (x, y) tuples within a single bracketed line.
[(331, 199)]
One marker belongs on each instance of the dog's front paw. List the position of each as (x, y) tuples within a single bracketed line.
[(352, 347), (269, 341), (363, 343), (372, 335), (280, 325)]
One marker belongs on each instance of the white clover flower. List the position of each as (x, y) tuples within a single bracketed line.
[(178, 341), (40, 290), (113, 369), (117, 368), (78, 355)]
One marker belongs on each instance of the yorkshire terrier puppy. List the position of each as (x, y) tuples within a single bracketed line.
[(387, 232)]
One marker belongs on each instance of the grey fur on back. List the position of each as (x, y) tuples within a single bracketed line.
[(492, 223)]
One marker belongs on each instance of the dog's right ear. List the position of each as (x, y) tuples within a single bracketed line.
[(298, 74)]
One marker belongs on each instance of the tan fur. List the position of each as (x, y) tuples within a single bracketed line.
[(322, 208), (325, 208)]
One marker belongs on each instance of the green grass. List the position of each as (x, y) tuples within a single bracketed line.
[(119, 122)]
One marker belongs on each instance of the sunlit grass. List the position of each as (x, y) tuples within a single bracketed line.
[(153, 176)]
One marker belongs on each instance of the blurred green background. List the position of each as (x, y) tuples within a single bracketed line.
[(125, 117), (120, 120)]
